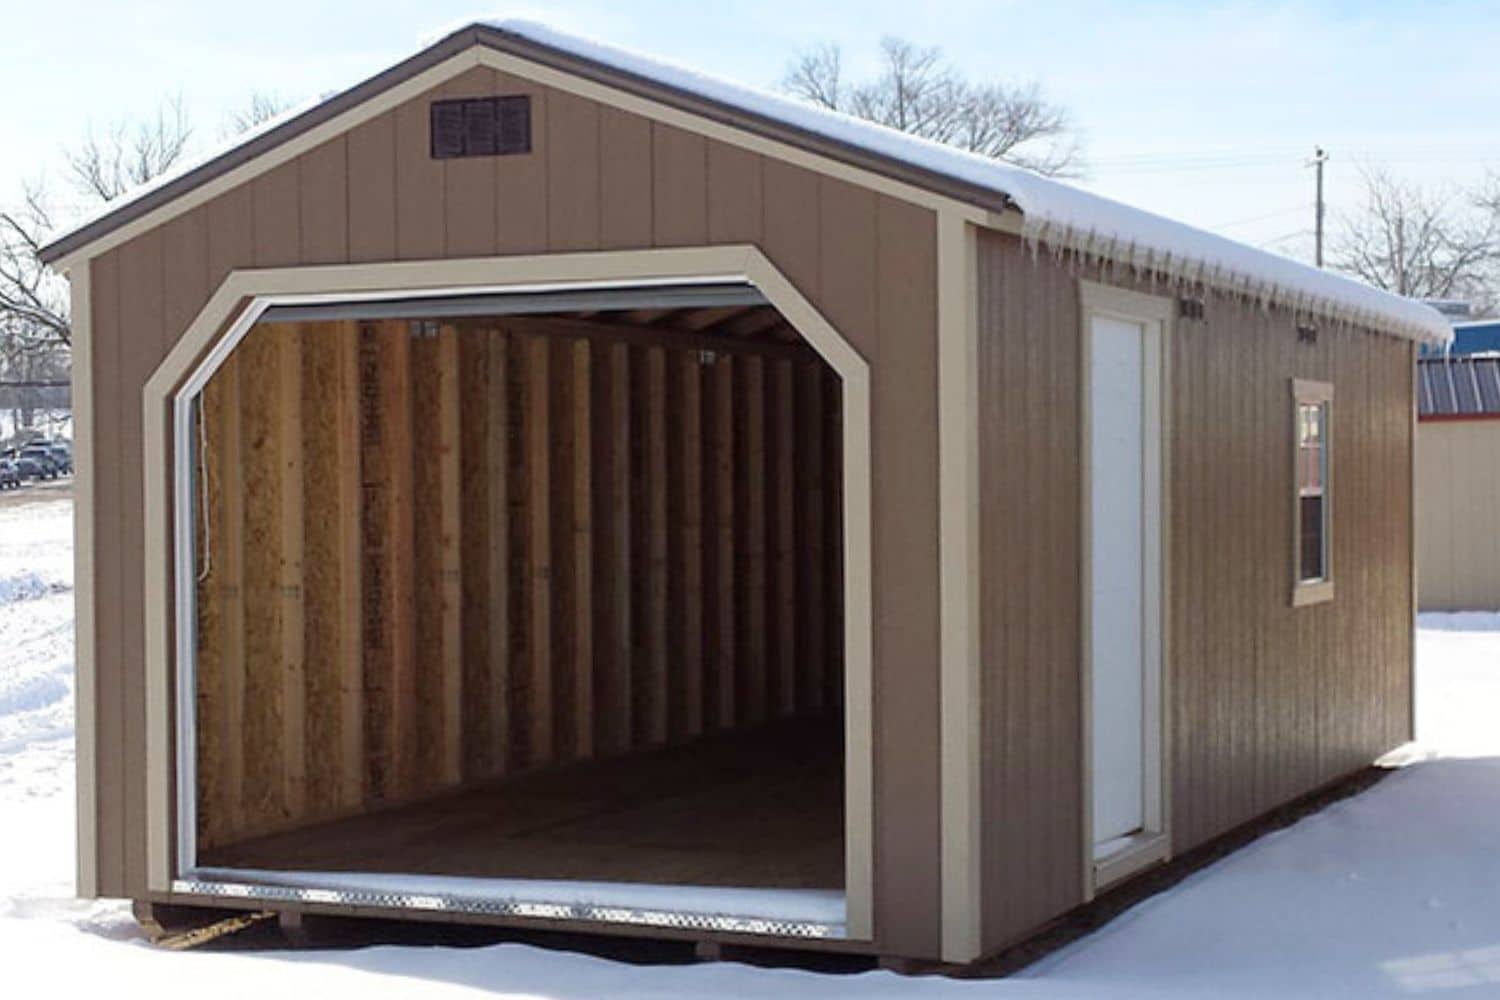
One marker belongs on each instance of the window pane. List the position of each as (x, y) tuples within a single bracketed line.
[(1311, 565), (1309, 448)]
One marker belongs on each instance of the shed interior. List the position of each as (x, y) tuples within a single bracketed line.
[(541, 588)]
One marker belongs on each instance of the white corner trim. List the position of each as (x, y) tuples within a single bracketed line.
[(958, 504), (85, 694)]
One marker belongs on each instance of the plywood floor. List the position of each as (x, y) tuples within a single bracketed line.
[(761, 810)]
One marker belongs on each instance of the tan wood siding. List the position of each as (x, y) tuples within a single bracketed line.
[(1458, 548), (401, 206), (1030, 557), (1267, 701)]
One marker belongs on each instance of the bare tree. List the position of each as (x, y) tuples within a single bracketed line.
[(260, 108), (1421, 243), (33, 305), (128, 156), (34, 324), (917, 91)]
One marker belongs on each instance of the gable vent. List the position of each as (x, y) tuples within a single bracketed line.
[(481, 126)]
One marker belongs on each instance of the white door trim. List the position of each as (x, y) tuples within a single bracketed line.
[(1153, 843)]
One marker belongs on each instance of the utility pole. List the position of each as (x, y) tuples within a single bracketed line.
[(1319, 158)]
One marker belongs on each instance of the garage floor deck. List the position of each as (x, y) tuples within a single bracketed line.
[(762, 809)]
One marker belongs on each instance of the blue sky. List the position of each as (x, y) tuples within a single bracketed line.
[(1202, 111)]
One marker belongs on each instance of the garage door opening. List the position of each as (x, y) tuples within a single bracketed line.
[(530, 596)]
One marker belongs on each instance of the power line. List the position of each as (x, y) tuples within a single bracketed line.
[(1289, 210)]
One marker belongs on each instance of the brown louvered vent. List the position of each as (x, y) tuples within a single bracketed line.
[(481, 126)]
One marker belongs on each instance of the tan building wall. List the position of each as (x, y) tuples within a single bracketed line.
[(1267, 701), (1458, 515), (599, 178)]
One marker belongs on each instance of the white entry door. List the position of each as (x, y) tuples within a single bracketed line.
[(1124, 581)]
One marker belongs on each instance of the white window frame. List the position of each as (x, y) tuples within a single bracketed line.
[(1306, 392)]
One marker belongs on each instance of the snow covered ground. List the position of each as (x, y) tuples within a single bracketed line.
[(1395, 892)]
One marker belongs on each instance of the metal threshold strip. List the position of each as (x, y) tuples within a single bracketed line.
[(500, 898), (524, 303)]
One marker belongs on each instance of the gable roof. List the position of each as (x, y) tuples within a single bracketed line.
[(1055, 214)]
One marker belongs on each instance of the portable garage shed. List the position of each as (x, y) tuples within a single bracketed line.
[(541, 486)]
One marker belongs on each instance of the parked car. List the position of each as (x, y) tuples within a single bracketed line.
[(62, 454), (36, 462), (10, 475)]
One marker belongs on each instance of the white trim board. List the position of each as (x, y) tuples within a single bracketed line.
[(960, 672), (167, 416)]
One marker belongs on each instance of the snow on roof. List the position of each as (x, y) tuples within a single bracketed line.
[(1054, 213)]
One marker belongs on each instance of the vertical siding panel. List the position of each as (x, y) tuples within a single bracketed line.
[(751, 471), (449, 430), (351, 617), (278, 216), (521, 181), (617, 676), (398, 528), (110, 565), (680, 186), (141, 312), (291, 590), (904, 391), (560, 461), (583, 549), (689, 570), (624, 180), (721, 472), (265, 654), (469, 182), (784, 665), (655, 549), (846, 294), (539, 548), (735, 200), (231, 234), (321, 513), (185, 280), (497, 462), (790, 231), (476, 545), (573, 172), (1187, 342), (371, 190), (813, 620), (420, 197), (323, 185)]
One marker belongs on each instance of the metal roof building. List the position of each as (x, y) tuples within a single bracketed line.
[(1458, 482)]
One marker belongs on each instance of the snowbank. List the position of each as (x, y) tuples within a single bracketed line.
[(25, 586)]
